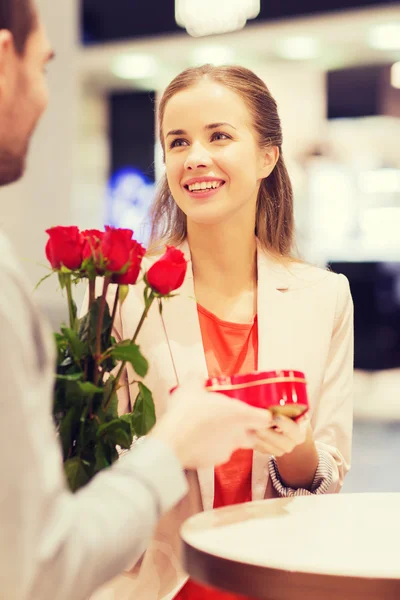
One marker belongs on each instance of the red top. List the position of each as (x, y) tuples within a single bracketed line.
[(229, 348)]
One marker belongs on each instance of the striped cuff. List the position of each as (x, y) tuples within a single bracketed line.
[(322, 479)]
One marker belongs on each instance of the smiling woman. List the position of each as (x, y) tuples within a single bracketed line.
[(202, 186), (249, 143), (246, 304)]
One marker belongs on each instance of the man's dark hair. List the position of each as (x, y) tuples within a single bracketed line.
[(18, 17)]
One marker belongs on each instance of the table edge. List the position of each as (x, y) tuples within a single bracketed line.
[(279, 584)]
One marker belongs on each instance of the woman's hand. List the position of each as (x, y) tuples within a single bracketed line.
[(292, 444), (284, 438)]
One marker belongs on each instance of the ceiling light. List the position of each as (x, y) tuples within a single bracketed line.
[(298, 48), (385, 37), (209, 17), (135, 66), (214, 55), (395, 75)]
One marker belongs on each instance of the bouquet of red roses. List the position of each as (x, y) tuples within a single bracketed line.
[(90, 361)]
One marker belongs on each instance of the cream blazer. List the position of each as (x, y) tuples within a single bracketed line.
[(305, 322)]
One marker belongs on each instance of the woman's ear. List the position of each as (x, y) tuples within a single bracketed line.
[(269, 158)]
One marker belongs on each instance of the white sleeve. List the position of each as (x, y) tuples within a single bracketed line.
[(332, 421), (55, 545)]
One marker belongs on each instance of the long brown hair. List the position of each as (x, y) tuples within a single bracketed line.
[(274, 225)]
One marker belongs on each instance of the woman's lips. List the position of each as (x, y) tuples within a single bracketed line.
[(204, 192)]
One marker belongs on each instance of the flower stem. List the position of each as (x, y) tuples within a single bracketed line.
[(143, 317), (99, 330), (114, 312), (168, 343), (147, 307), (92, 289), (92, 297), (68, 286)]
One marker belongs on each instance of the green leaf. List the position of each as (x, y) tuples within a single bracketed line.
[(143, 416), (66, 395), (73, 393), (117, 431), (43, 279), (89, 388), (68, 428), (88, 327), (123, 439), (112, 409), (63, 278), (59, 338), (128, 419), (109, 427), (74, 309), (102, 454), (78, 348), (71, 377), (126, 351), (75, 472)]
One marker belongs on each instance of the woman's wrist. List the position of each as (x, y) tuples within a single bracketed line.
[(297, 468)]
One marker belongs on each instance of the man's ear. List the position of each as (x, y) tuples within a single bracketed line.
[(6, 44), (269, 158), (7, 55)]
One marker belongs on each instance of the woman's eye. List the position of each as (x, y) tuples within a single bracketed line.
[(177, 143), (218, 135)]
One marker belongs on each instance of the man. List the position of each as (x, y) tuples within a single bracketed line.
[(55, 545)]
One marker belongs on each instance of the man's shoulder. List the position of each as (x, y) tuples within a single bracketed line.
[(19, 315), (9, 265), (13, 298)]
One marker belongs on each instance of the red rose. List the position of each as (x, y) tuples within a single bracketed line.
[(115, 248), (135, 260), (110, 250), (168, 273), (92, 239), (64, 248)]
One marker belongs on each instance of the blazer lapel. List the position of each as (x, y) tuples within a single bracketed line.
[(274, 340), (184, 335)]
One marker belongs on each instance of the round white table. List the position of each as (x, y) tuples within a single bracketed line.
[(331, 547)]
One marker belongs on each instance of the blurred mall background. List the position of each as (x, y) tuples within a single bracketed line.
[(335, 73)]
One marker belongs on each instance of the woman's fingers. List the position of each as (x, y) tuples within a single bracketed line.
[(286, 435), (271, 439)]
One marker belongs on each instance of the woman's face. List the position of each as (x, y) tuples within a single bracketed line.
[(213, 160)]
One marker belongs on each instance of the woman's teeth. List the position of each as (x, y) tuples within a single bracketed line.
[(204, 185)]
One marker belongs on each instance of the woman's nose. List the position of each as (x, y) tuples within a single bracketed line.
[(197, 158)]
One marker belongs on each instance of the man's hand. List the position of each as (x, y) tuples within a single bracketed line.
[(205, 428)]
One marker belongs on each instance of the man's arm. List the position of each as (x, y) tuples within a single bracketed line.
[(58, 546), (53, 544)]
